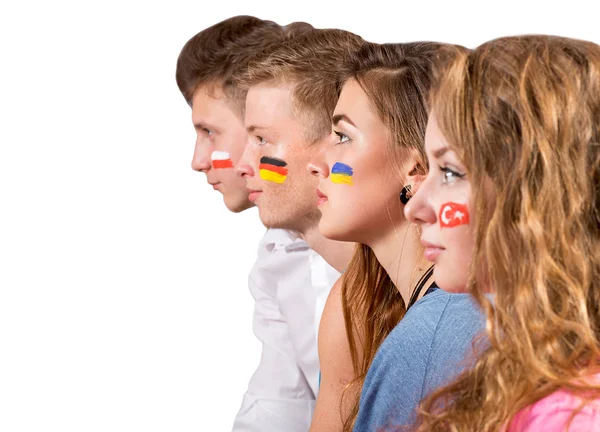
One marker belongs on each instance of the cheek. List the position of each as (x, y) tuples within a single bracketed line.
[(342, 174), (273, 170), (361, 201), (459, 242), (344, 189), (457, 238), (454, 222), (453, 215), (452, 268), (221, 160)]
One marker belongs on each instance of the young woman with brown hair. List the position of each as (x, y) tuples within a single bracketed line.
[(375, 156), (511, 207)]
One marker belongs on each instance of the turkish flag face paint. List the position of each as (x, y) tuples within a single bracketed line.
[(453, 214)]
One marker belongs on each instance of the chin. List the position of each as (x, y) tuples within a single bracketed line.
[(270, 222), (446, 280), (332, 231), (237, 205), (272, 219)]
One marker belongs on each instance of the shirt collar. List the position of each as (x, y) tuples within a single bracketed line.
[(279, 239)]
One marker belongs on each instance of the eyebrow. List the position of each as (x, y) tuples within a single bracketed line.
[(339, 117), (253, 128), (438, 153), (202, 125)]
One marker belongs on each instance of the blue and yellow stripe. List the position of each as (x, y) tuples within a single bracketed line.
[(341, 173)]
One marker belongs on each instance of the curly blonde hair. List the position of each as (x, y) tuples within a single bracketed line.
[(523, 115)]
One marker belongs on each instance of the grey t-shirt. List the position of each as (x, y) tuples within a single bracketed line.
[(427, 349)]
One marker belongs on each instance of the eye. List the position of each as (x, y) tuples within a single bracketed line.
[(450, 175), (343, 137), (208, 132), (261, 140)]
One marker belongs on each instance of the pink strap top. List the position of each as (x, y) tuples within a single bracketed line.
[(552, 414)]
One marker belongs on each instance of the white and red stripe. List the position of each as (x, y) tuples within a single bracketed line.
[(221, 159)]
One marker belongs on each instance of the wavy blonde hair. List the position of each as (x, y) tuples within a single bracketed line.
[(396, 78), (523, 115)]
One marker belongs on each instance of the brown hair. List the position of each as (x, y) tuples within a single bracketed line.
[(218, 54), (311, 62), (396, 79), (523, 115)]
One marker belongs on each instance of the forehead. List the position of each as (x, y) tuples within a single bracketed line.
[(355, 103), (434, 139), (352, 97), (210, 105), (268, 104)]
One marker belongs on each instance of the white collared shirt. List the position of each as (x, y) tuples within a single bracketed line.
[(290, 283)]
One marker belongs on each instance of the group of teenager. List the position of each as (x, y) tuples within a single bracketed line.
[(431, 260)]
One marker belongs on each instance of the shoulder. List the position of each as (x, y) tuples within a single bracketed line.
[(437, 312), (332, 330), (557, 411), (410, 361), (408, 343), (441, 312), (435, 335), (334, 350)]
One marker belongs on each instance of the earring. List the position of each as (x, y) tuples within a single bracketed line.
[(405, 194)]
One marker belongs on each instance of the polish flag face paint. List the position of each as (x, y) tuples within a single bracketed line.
[(341, 173), (453, 214), (273, 170), (220, 160)]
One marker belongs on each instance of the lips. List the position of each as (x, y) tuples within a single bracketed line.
[(321, 197), (431, 251), (253, 194)]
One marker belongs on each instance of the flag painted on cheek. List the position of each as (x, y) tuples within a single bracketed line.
[(273, 170), (453, 214), (341, 173), (221, 159)]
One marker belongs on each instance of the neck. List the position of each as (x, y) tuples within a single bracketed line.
[(401, 255), (336, 253)]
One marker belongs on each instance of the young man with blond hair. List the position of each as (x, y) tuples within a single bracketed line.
[(292, 93)]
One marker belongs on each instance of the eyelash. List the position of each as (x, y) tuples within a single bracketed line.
[(446, 178), (342, 136), (261, 140)]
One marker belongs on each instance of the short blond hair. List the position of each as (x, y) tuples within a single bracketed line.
[(312, 63)]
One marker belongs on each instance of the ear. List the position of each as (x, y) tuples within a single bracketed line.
[(416, 176)]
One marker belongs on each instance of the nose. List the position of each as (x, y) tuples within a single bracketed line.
[(244, 170), (419, 210), (201, 159), (244, 167), (317, 167)]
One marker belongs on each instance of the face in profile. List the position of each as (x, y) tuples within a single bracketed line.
[(220, 140), (358, 186), (275, 158), (442, 208)]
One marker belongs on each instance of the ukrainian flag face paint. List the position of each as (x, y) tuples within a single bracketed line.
[(273, 170), (341, 174)]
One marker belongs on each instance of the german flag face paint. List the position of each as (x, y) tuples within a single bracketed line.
[(453, 214), (273, 170), (341, 173), (221, 159)]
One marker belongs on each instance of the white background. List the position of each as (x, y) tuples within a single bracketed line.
[(123, 296)]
